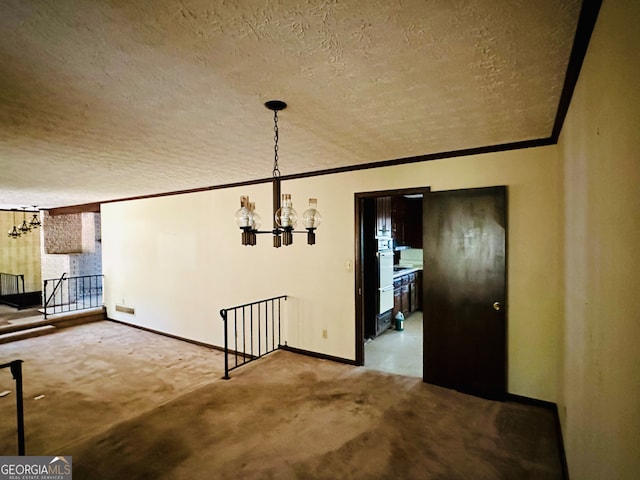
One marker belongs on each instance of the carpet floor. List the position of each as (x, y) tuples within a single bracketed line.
[(9, 314), (128, 404)]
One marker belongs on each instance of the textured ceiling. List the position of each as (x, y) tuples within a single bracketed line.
[(102, 100)]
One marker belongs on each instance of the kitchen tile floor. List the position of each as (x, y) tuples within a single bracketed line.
[(397, 352)]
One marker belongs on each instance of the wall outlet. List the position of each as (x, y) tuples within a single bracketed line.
[(324, 333)]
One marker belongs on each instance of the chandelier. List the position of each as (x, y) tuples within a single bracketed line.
[(24, 228), (285, 218), (35, 221), (15, 231)]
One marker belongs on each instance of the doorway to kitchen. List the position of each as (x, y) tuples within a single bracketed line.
[(390, 262), (464, 235)]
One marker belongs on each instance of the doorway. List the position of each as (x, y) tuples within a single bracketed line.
[(464, 289), (390, 226)]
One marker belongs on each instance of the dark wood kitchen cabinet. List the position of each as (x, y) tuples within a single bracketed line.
[(406, 296), (398, 220), (406, 221), (383, 322), (412, 230), (397, 296), (383, 217), (417, 288), (413, 293)]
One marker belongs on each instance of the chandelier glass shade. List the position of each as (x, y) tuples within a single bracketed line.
[(285, 217), (311, 217)]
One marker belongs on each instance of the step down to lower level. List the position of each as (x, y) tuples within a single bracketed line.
[(28, 333), (22, 330), (64, 320)]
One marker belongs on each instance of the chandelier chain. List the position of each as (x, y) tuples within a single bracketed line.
[(276, 170)]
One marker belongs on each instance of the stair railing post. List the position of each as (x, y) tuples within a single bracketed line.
[(223, 314), (16, 371), (44, 296)]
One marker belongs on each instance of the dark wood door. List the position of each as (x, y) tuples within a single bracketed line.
[(464, 235)]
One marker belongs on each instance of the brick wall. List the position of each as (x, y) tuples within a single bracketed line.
[(62, 233), (71, 245)]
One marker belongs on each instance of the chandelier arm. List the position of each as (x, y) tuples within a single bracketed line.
[(270, 232)]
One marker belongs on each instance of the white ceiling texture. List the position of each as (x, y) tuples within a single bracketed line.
[(104, 100)]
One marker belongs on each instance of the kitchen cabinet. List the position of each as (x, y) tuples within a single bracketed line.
[(413, 293), (405, 300), (407, 297), (413, 222), (398, 220), (406, 221), (397, 296), (383, 322), (383, 217)]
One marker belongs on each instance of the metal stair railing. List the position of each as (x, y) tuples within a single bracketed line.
[(16, 371), (10, 284), (255, 327), (70, 294), (53, 292)]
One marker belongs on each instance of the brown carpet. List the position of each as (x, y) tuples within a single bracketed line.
[(9, 313), (288, 416)]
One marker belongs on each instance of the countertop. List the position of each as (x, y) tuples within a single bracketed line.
[(404, 271)]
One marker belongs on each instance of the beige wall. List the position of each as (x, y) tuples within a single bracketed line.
[(178, 260), (600, 148), (20, 256)]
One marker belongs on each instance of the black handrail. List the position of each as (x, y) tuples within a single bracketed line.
[(55, 289), (81, 293), (16, 371), (252, 336)]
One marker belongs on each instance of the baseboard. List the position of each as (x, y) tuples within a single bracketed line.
[(554, 408), (322, 356), (169, 335), (512, 397)]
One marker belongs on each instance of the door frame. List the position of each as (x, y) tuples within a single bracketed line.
[(359, 261)]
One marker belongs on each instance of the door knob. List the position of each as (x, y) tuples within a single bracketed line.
[(497, 306)]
